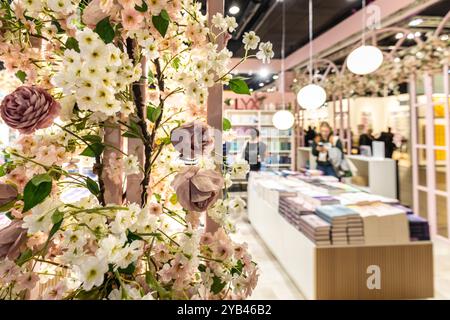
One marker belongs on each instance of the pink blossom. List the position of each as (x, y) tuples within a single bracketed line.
[(155, 208), (131, 19), (27, 281), (8, 271), (56, 292)]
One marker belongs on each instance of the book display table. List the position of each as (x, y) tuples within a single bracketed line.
[(398, 271)]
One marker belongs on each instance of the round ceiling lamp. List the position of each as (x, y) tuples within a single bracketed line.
[(283, 120), (364, 60), (311, 97)]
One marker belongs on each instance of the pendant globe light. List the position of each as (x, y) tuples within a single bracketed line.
[(283, 119), (366, 58), (311, 96)]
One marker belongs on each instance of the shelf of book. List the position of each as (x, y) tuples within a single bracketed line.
[(279, 143)]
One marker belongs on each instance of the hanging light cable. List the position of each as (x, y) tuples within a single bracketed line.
[(312, 96), (366, 58), (283, 119)]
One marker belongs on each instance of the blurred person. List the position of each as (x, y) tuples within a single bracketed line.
[(254, 151), (366, 138), (321, 147)]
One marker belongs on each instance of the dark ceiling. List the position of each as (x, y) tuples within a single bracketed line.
[(265, 18)]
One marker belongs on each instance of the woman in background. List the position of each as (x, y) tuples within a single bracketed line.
[(254, 151), (321, 146)]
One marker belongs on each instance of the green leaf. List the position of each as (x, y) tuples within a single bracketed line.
[(92, 138), (161, 22), (239, 86), (72, 43), (93, 150), (130, 134), (155, 285), (105, 30), (173, 199), (237, 268), (92, 186), (5, 207), (176, 63), (129, 269), (93, 294), (36, 190), (142, 8), (217, 285), (201, 268), (54, 229), (58, 26), (226, 124), (3, 169), (157, 197), (150, 77), (165, 15), (9, 216), (133, 236), (21, 75), (24, 257), (57, 216), (153, 113)]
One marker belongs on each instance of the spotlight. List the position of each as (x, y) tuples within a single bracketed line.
[(399, 35), (263, 73), (234, 10)]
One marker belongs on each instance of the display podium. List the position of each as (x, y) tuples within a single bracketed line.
[(342, 272)]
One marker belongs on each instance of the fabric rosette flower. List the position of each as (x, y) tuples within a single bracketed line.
[(12, 238), (192, 139), (197, 189), (28, 109)]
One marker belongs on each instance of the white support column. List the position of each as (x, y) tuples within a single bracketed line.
[(430, 152), (447, 141), (414, 153)]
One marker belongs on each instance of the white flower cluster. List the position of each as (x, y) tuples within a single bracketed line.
[(225, 24), (205, 67), (34, 7), (239, 169), (76, 236), (228, 209), (251, 41), (96, 74)]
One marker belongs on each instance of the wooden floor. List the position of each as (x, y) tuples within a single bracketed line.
[(275, 284)]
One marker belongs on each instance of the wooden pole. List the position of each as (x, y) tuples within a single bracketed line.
[(113, 187), (214, 104), (136, 147)]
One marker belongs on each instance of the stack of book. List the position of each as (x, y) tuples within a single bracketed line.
[(419, 229), (340, 218), (292, 208), (383, 223), (316, 229), (355, 230), (355, 198), (317, 198)]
